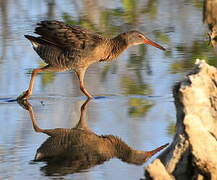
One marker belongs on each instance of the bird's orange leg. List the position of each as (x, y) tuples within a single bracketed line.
[(80, 75), (28, 93)]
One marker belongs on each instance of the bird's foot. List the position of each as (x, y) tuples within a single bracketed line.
[(24, 103), (24, 95)]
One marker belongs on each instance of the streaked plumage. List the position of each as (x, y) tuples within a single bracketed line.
[(65, 47)]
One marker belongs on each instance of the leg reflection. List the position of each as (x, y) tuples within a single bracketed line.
[(70, 150)]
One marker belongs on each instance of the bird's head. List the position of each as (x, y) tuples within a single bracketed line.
[(136, 37)]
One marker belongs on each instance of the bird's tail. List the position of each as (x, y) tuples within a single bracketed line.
[(39, 41), (34, 40), (31, 38), (151, 153)]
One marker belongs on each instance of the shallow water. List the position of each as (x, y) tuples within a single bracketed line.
[(133, 94)]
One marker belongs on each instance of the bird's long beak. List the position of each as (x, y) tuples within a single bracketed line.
[(148, 41)]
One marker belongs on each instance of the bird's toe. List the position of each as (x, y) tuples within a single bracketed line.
[(24, 95)]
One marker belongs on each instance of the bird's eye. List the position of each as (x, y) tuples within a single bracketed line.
[(140, 36)]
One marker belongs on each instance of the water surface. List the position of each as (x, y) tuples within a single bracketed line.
[(134, 93)]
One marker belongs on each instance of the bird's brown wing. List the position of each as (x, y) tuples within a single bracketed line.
[(67, 36)]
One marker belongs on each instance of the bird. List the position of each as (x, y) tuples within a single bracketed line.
[(65, 47), (80, 148)]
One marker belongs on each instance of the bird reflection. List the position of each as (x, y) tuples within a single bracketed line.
[(70, 150)]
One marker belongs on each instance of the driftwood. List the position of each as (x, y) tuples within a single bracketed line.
[(193, 152)]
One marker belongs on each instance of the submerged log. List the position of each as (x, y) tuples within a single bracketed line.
[(193, 152)]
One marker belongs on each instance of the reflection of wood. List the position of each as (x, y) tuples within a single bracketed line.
[(71, 150), (193, 152), (50, 9), (92, 11), (210, 18), (209, 12), (5, 27)]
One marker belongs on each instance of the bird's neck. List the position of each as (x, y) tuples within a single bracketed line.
[(126, 153), (117, 45)]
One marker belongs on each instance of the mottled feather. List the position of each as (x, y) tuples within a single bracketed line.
[(67, 36), (66, 47)]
